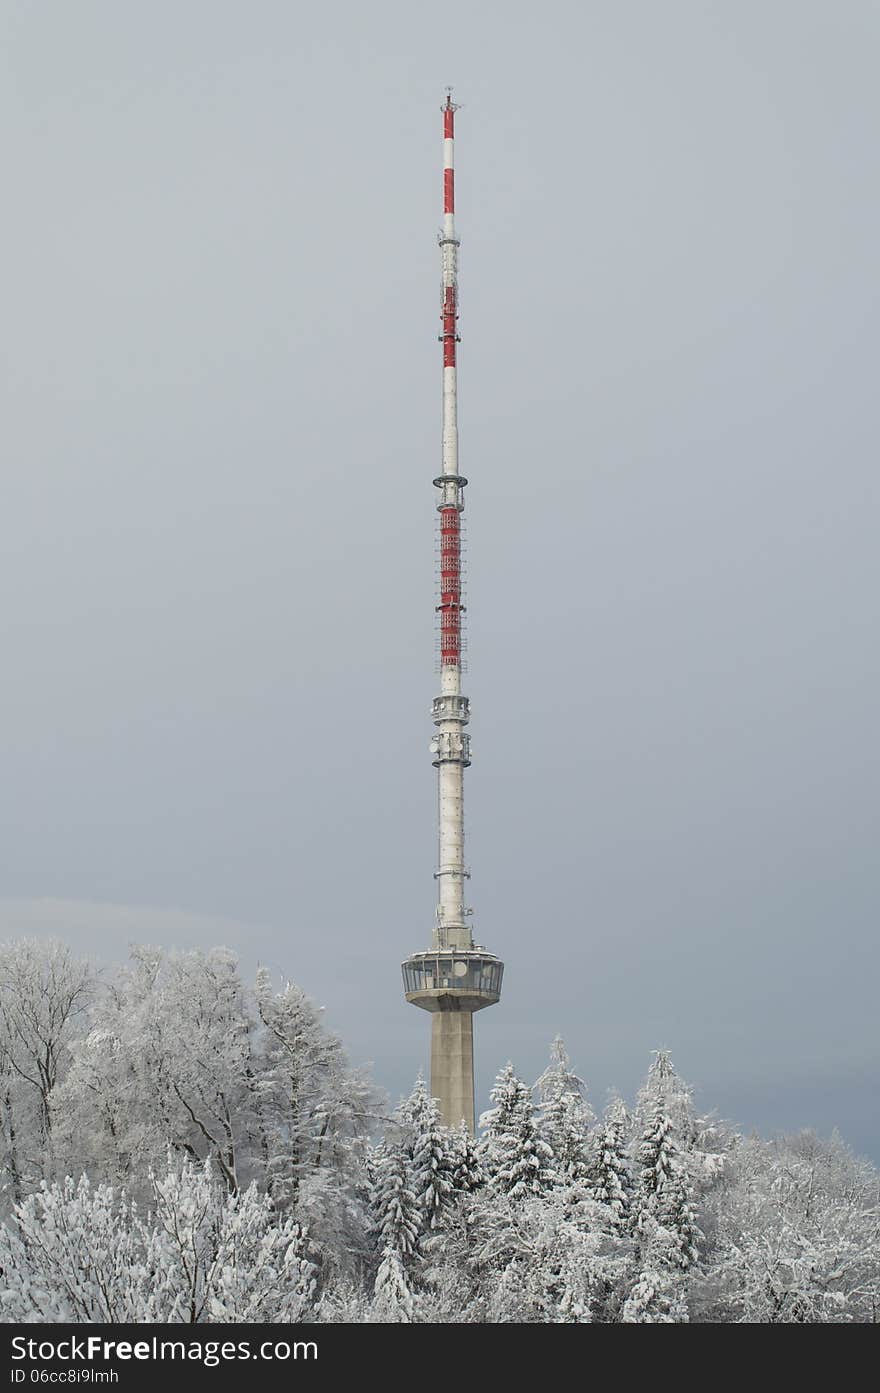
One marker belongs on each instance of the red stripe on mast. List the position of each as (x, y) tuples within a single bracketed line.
[(450, 314), (449, 190), (450, 585)]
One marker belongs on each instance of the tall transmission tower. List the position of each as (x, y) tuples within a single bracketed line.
[(456, 976)]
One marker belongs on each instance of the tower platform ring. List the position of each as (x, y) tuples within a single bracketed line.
[(452, 979)]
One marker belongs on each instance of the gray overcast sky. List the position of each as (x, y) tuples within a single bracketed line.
[(221, 406)]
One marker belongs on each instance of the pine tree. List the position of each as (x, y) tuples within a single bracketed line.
[(393, 1294), (566, 1117), (518, 1159), (397, 1222), (611, 1178), (468, 1174), (664, 1191), (395, 1206), (433, 1156), (675, 1211), (664, 1085), (508, 1095), (559, 1077), (658, 1296)]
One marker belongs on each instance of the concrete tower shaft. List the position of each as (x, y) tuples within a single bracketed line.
[(455, 977)]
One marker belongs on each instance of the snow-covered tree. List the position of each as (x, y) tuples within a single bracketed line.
[(398, 1218), (664, 1193), (44, 991), (20, 1149), (166, 1062), (566, 1117), (658, 1297), (702, 1141), (518, 1159), (312, 1113), (611, 1180), (508, 1096), (434, 1156), (74, 1252), (525, 1163), (394, 1299), (664, 1084), (181, 1052), (468, 1174), (80, 1253), (796, 1236), (533, 1259), (228, 1256)]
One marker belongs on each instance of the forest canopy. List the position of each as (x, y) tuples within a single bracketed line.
[(181, 1145)]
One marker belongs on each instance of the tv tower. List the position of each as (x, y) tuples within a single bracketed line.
[(455, 977)]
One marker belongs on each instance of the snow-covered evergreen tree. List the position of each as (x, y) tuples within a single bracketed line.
[(664, 1194), (533, 1259), (508, 1095), (396, 1209), (611, 1180), (519, 1160), (468, 1174), (398, 1219), (434, 1156), (702, 1141), (664, 1084), (566, 1117), (658, 1297), (394, 1299)]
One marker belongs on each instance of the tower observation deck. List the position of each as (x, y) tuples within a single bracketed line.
[(455, 977)]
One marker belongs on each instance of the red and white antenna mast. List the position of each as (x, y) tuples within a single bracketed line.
[(456, 977)]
